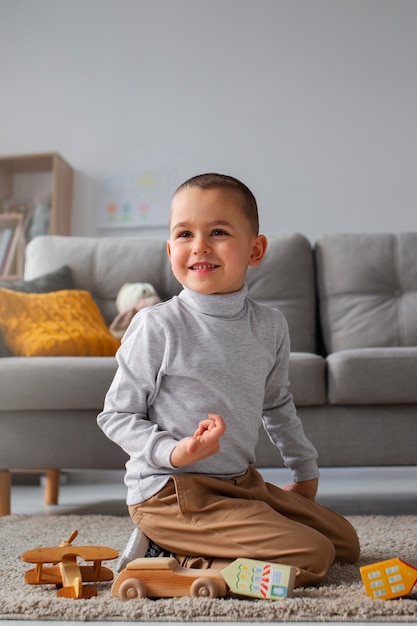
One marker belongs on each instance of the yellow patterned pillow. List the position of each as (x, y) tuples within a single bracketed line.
[(61, 323)]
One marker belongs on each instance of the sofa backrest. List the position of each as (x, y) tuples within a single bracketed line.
[(101, 265), (367, 288), (285, 280)]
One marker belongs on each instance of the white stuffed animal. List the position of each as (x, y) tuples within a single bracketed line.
[(132, 297), (136, 295)]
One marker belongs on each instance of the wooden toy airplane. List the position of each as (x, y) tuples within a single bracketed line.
[(64, 569), (390, 579)]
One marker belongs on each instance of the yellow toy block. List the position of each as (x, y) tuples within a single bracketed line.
[(260, 579), (390, 579)]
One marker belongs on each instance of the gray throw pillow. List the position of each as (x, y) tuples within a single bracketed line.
[(53, 281)]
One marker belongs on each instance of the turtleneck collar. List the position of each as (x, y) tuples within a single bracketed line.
[(228, 306)]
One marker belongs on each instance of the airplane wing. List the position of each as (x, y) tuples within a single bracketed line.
[(55, 554)]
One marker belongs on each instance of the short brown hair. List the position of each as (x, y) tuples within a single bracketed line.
[(212, 180)]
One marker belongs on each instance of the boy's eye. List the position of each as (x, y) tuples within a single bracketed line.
[(218, 232), (184, 234)]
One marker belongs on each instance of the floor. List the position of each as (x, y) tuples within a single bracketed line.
[(356, 491)]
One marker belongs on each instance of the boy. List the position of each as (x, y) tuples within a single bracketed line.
[(197, 375)]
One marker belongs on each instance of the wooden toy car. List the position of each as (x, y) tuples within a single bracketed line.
[(163, 577), (390, 579), (244, 577), (65, 572)]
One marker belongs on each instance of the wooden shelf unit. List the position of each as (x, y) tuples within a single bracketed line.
[(61, 186)]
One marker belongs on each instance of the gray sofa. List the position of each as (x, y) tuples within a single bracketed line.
[(351, 305)]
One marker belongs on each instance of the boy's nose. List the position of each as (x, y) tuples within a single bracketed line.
[(201, 245)]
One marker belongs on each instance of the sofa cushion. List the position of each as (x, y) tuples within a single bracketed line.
[(367, 290), (52, 281), (60, 323), (307, 375), (285, 280), (55, 383), (373, 376)]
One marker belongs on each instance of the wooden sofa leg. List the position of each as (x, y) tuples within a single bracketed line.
[(5, 492), (52, 486)]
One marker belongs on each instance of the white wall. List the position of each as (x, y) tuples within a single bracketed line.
[(312, 103)]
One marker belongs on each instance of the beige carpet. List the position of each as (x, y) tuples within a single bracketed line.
[(341, 597)]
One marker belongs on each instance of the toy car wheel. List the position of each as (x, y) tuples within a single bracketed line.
[(204, 588), (131, 589)]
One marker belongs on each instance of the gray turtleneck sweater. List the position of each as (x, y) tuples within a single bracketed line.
[(198, 354)]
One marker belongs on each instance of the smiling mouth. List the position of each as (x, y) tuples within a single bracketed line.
[(203, 266)]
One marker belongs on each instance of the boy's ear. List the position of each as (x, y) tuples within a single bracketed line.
[(168, 249), (259, 248)]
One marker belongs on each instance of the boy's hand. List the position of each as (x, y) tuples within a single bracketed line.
[(204, 442), (306, 488)]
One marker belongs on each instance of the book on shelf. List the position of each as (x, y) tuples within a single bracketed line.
[(6, 236), (9, 244)]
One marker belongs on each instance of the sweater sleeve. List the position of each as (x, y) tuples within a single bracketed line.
[(281, 422), (125, 419)]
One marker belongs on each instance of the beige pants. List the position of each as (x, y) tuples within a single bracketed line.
[(245, 517)]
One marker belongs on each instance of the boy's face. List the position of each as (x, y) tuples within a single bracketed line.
[(211, 242)]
